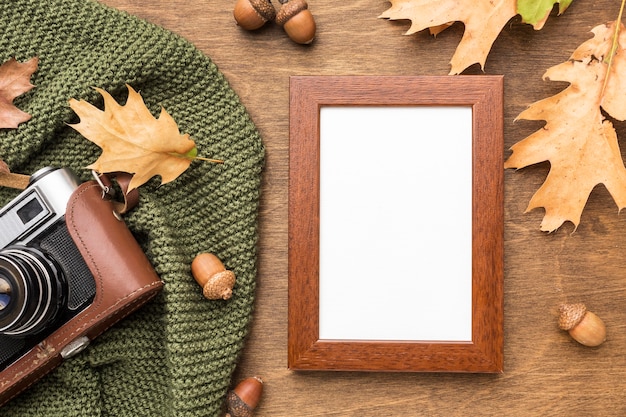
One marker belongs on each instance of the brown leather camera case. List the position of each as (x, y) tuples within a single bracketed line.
[(125, 280)]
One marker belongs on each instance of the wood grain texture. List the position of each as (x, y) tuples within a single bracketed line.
[(305, 349), (545, 372)]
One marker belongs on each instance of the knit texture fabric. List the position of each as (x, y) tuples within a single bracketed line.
[(175, 356)]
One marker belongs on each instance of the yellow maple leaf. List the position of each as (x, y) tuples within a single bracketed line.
[(579, 143), (132, 140), (483, 20)]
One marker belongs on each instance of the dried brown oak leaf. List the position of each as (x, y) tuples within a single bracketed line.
[(9, 179), (4, 168), (577, 140), (14, 81), (132, 140), (483, 20)]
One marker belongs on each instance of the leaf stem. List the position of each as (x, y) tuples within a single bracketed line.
[(618, 24), (215, 161), (193, 154)]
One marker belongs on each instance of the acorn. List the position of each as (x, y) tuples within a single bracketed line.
[(252, 14), (242, 401), (294, 16), (584, 326), (216, 281)]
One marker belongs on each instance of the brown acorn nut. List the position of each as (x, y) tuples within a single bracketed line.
[(252, 14), (245, 397), (584, 326), (294, 16), (216, 282)]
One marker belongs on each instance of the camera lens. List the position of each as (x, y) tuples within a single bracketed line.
[(32, 291), (5, 293)]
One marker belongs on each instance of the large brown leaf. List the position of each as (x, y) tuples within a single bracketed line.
[(132, 140), (483, 19), (579, 143)]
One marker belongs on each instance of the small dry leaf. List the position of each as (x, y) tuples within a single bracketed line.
[(14, 81), (9, 179), (132, 140), (4, 168)]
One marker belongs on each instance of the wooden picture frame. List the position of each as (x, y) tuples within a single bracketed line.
[(479, 348)]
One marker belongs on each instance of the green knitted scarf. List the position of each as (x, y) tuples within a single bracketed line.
[(175, 356)]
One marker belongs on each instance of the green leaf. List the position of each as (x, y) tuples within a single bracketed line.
[(193, 153), (536, 12)]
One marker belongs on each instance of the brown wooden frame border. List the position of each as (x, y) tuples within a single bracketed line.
[(485, 352)]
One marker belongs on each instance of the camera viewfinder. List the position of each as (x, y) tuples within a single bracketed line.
[(29, 211)]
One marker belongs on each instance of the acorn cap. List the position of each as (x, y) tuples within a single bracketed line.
[(571, 315), (216, 281), (289, 10), (219, 286), (264, 8)]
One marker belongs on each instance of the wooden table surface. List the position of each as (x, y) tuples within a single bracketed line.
[(546, 373)]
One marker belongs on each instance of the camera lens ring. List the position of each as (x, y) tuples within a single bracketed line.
[(42, 286), (11, 313), (43, 293), (6, 290)]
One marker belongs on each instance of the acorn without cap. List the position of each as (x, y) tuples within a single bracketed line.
[(216, 282), (583, 325), (294, 16), (252, 14), (244, 398)]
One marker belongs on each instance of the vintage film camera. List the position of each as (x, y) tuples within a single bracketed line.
[(69, 269)]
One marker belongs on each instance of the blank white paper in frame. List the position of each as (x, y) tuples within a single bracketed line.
[(395, 223)]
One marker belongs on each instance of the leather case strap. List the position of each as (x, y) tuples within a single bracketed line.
[(129, 198)]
